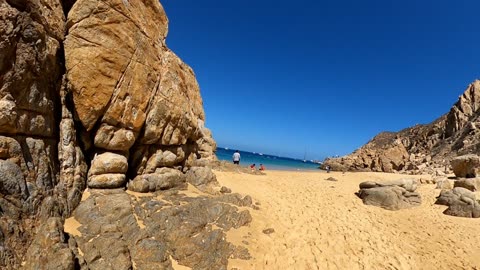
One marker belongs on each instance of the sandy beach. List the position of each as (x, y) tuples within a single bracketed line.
[(321, 224)]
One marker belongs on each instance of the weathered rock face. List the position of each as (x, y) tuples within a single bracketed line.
[(472, 184), (462, 112), (162, 179), (422, 148), (132, 94), (391, 195), (124, 78), (461, 202), (444, 183), (94, 97), (379, 155), (168, 225), (50, 237), (467, 166), (41, 166)]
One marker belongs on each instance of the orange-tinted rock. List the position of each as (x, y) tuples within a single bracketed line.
[(122, 74), (110, 99)]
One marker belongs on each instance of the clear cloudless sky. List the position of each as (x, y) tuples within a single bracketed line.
[(285, 77)]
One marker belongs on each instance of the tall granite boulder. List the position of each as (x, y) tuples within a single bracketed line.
[(421, 148), (93, 97), (133, 96)]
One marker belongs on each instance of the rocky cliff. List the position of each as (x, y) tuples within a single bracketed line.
[(90, 96), (422, 148)]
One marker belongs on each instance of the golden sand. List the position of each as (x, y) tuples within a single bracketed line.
[(71, 226), (323, 225), (177, 266)]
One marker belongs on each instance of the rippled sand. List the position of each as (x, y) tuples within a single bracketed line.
[(322, 225)]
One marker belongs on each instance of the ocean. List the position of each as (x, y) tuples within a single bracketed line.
[(270, 162)]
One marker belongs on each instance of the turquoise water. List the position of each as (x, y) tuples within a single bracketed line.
[(269, 161)]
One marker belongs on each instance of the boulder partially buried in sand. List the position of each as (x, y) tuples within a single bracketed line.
[(391, 195), (461, 202), (472, 184)]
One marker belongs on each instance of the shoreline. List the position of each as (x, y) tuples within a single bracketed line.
[(270, 161), (269, 167)]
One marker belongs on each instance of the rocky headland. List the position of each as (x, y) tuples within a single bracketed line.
[(423, 148), (95, 109)]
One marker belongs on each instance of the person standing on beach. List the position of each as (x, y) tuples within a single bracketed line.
[(236, 157)]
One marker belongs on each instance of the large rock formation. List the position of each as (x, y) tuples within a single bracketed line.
[(90, 95), (42, 170), (133, 96), (116, 232), (422, 148), (461, 202), (391, 195)]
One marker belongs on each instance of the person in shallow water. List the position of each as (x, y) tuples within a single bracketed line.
[(262, 168), (236, 157), (252, 167)]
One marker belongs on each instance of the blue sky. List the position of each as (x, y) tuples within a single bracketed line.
[(280, 77)]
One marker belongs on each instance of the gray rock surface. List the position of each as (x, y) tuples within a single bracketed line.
[(461, 202), (391, 195), (408, 184), (202, 178), (50, 249), (12, 181), (472, 184), (162, 179), (41, 169), (147, 230), (444, 183)]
